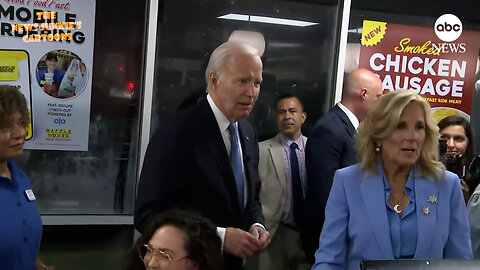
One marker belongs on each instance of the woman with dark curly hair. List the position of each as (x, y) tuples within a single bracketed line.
[(21, 226), (178, 240)]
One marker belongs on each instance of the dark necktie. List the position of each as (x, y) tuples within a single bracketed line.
[(297, 193), (236, 161)]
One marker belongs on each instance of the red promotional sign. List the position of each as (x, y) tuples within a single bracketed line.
[(413, 57)]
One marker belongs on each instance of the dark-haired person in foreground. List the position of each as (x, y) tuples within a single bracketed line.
[(177, 240), (399, 202)]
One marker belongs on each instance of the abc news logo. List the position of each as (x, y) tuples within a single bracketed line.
[(448, 28)]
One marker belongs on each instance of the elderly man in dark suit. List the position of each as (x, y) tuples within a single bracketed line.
[(331, 147), (206, 158)]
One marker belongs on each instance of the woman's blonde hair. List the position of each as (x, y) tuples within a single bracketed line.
[(382, 121)]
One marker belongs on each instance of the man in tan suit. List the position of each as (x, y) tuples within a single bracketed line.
[(283, 176)]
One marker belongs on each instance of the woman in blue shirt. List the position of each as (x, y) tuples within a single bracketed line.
[(398, 202), (20, 226)]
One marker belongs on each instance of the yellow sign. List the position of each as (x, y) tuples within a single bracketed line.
[(9, 64), (58, 133), (373, 32), (8, 69), (29, 126)]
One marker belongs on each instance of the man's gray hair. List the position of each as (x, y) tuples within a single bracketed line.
[(221, 54)]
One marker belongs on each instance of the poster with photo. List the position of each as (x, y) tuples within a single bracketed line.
[(413, 57), (57, 39)]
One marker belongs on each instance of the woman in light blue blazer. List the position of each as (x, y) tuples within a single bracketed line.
[(399, 202)]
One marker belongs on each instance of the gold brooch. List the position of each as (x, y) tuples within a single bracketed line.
[(432, 199), (425, 211)]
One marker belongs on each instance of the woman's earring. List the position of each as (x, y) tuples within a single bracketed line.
[(377, 149)]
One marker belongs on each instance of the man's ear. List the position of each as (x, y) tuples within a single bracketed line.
[(304, 117), (213, 77), (363, 93)]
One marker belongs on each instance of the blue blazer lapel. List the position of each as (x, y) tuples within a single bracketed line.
[(373, 193), (424, 188)]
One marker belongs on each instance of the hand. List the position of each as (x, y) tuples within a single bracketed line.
[(39, 265), (262, 235), (51, 89), (465, 190), (240, 243)]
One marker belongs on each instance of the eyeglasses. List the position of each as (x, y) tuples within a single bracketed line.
[(147, 252)]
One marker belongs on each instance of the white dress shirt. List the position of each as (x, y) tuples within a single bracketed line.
[(353, 119)]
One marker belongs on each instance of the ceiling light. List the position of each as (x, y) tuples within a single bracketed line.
[(272, 20), (263, 19), (236, 17), (355, 30)]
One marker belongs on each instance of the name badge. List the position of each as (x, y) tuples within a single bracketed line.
[(30, 195)]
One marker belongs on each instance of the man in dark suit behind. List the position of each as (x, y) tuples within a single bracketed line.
[(206, 158), (331, 147)]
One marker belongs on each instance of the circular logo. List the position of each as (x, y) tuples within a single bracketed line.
[(448, 27)]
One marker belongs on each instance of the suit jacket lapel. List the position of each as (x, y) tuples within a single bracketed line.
[(426, 222), (350, 128), (304, 182), (276, 154), (214, 143), (248, 149), (373, 193)]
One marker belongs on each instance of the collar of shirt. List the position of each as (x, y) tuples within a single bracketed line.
[(222, 120), (353, 119), (409, 186), (4, 178), (13, 172), (287, 142), (222, 123)]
